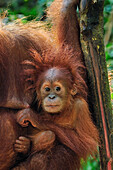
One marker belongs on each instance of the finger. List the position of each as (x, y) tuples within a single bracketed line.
[(24, 139), (19, 115), (20, 150), (18, 146), (19, 142)]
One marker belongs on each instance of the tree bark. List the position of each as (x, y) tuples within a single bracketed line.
[(91, 25)]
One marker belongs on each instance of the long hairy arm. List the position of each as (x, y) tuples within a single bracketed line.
[(65, 22)]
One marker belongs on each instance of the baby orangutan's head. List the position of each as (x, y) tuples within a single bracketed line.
[(54, 89)]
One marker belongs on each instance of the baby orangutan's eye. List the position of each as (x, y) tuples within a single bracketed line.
[(47, 89), (57, 88)]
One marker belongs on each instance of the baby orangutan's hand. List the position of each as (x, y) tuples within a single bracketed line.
[(26, 116), (22, 145)]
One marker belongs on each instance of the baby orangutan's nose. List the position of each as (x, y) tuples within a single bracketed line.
[(52, 96)]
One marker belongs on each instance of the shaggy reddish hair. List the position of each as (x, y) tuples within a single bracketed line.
[(82, 138), (64, 59)]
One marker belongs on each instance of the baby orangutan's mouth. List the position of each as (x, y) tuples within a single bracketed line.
[(52, 108), (52, 105)]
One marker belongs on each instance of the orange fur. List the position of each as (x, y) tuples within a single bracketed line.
[(40, 50), (73, 127)]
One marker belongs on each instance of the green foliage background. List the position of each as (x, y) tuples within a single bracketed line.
[(35, 9), (108, 40)]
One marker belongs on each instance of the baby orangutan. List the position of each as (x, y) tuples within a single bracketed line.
[(64, 114), (54, 94)]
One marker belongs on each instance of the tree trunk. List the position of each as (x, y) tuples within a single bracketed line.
[(91, 25)]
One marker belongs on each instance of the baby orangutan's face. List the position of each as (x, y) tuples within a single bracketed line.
[(53, 92), (53, 96)]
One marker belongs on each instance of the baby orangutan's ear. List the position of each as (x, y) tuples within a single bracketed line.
[(74, 90)]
